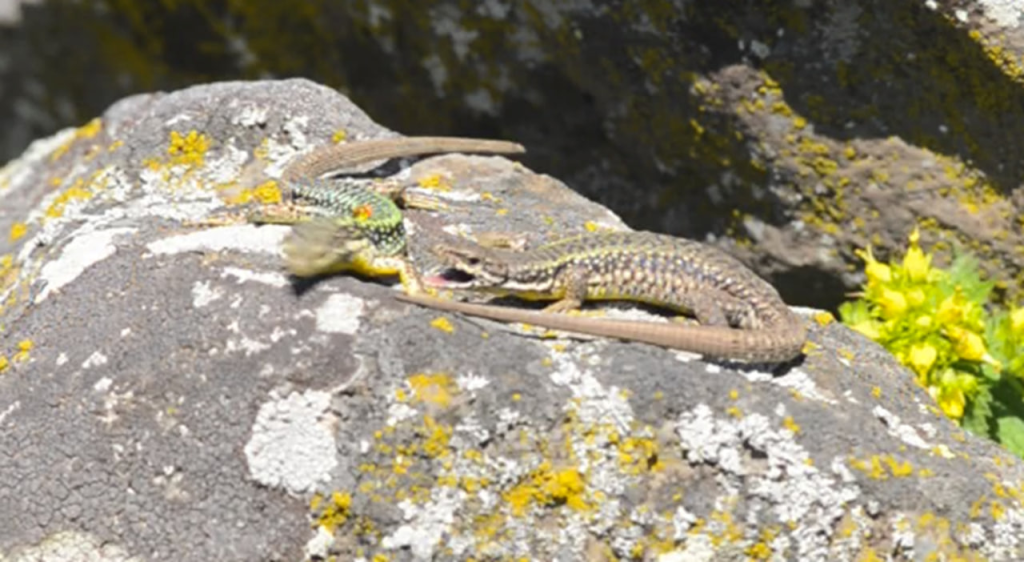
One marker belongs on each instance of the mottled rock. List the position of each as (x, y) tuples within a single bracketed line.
[(168, 393)]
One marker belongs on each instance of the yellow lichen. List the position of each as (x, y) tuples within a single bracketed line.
[(266, 193), (548, 487), (22, 355), (434, 389), (434, 181), (790, 424), (87, 131), (334, 513), (637, 455), (436, 437), (876, 467), (188, 149), (443, 324), (76, 192), (18, 230)]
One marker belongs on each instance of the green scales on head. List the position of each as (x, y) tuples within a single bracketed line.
[(351, 228)]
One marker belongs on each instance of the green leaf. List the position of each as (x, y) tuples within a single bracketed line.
[(852, 312), (978, 417), (965, 273), (1010, 433)]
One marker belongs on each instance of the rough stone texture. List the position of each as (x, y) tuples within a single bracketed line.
[(789, 131), (168, 394)]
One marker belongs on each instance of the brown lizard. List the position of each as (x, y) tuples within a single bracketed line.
[(743, 316)]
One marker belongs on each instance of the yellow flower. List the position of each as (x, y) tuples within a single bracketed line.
[(950, 399), (922, 357), (1017, 321), (893, 303), (924, 321), (917, 264), (915, 297), (951, 309), (969, 345), (876, 271)]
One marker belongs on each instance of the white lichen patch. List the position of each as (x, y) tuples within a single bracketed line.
[(269, 278), (14, 176), (295, 129), (1004, 13), (97, 359), (399, 412), (225, 167), (905, 433), (292, 445), (243, 238), (320, 545), (424, 525), (71, 545), (246, 346), (340, 314), (204, 293), (791, 488), (84, 250), (456, 195), (279, 155), (799, 381), (249, 114), (10, 409)]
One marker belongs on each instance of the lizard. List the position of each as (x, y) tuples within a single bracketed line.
[(742, 315), (355, 228)]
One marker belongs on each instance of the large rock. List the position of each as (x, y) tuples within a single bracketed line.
[(169, 394)]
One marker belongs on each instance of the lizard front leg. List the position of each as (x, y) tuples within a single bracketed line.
[(400, 194), (570, 287)]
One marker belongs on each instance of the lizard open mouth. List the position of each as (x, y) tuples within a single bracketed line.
[(451, 278)]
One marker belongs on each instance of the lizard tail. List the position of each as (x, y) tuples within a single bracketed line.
[(768, 345)]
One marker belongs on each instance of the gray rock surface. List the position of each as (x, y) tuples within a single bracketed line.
[(169, 394)]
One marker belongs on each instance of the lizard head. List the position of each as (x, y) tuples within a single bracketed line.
[(469, 266), (321, 246)]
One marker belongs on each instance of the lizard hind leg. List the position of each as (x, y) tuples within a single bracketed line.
[(563, 305), (705, 307), (718, 308)]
